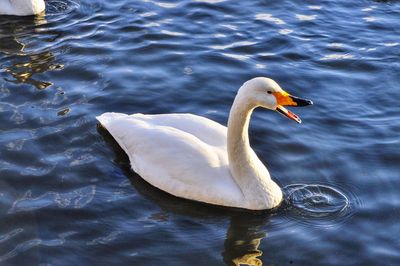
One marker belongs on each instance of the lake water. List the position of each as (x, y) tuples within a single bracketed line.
[(68, 196)]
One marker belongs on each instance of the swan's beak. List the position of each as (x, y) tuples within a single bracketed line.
[(285, 99)]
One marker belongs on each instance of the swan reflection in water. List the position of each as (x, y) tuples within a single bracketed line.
[(243, 239), (24, 58), (245, 231)]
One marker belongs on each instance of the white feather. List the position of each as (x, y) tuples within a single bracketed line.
[(21, 7)]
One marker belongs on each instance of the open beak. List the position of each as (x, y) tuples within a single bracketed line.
[(285, 99)]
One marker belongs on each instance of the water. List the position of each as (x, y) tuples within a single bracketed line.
[(68, 196)]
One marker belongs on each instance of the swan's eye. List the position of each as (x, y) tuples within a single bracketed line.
[(269, 92)]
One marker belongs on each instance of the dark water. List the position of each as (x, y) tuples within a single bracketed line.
[(68, 196)]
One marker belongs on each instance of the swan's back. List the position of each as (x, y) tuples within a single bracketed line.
[(182, 154)]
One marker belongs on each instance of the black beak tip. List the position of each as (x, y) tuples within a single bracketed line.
[(301, 102)]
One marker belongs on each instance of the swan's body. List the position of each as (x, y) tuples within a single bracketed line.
[(21, 7), (196, 158)]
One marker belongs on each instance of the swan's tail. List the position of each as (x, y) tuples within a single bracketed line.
[(107, 118)]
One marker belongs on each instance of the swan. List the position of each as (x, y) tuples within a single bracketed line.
[(195, 158), (21, 7)]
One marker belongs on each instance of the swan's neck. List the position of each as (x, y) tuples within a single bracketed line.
[(249, 173), (22, 7), (239, 150)]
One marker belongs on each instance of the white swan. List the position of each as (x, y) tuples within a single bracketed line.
[(21, 7), (196, 158)]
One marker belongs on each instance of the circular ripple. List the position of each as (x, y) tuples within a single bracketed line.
[(317, 204), (55, 7)]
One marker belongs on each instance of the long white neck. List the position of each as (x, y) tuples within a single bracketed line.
[(248, 171), (21, 7)]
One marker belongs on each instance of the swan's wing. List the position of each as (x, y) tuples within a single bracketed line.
[(208, 131), (176, 161)]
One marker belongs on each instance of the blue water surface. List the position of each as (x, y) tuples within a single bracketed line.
[(68, 195)]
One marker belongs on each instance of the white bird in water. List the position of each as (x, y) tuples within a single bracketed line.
[(195, 158), (21, 7)]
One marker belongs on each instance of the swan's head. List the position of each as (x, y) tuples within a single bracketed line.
[(267, 93)]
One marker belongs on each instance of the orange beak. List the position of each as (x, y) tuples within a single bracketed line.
[(285, 99)]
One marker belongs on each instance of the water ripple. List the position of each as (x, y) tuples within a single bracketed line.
[(78, 198), (162, 4), (269, 18), (104, 239), (27, 245), (306, 17), (63, 7), (318, 204), (9, 235)]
